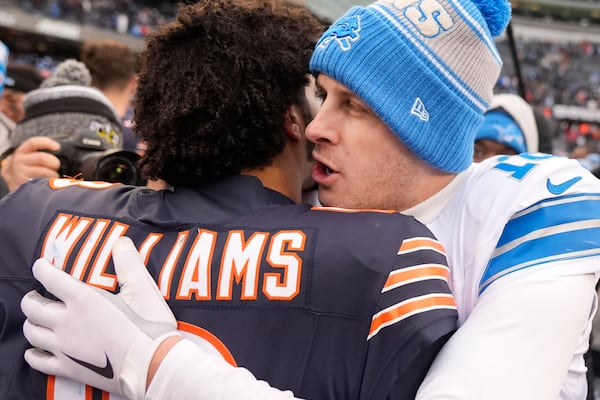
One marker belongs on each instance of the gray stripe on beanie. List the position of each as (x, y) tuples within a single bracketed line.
[(82, 105), (66, 125), (43, 94), (459, 61)]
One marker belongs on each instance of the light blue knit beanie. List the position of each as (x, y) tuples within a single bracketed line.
[(427, 68), (500, 127), (3, 64)]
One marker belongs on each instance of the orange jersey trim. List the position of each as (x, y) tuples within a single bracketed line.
[(405, 309), (350, 210), (420, 243), (417, 273), (209, 337), (50, 387)]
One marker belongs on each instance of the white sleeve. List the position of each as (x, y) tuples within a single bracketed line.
[(517, 343), (187, 372)]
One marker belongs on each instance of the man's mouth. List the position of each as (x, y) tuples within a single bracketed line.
[(322, 172)]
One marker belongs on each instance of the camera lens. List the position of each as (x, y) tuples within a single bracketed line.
[(117, 168)]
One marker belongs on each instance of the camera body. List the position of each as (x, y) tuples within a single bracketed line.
[(87, 157)]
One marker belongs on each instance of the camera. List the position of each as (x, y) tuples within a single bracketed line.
[(86, 156)]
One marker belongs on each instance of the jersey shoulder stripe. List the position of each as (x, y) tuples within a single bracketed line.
[(351, 210), (556, 229), (410, 307), (405, 276), (551, 212), (421, 243), (414, 289)]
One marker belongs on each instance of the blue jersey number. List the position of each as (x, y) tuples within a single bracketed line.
[(517, 170)]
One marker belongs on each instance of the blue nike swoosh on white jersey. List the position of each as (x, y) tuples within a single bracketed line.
[(561, 187)]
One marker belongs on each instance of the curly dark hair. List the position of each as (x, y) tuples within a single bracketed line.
[(214, 85)]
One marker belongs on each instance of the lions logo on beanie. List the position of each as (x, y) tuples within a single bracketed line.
[(427, 68)]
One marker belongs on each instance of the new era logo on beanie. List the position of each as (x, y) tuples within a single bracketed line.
[(427, 68), (419, 110)]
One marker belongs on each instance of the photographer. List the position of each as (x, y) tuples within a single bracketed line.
[(27, 162), (66, 123)]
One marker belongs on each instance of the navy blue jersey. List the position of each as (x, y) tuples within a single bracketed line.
[(329, 303)]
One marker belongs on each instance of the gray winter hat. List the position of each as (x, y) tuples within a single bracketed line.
[(65, 105)]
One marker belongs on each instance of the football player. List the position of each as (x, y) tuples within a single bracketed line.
[(329, 303)]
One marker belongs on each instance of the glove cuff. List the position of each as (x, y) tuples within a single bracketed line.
[(134, 373)]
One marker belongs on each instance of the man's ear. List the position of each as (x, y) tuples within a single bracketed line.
[(132, 84), (294, 123)]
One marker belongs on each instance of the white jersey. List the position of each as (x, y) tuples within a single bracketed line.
[(509, 220)]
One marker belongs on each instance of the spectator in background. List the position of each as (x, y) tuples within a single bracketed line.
[(6, 124), (64, 104), (61, 109), (509, 127), (547, 131), (20, 80), (587, 156), (113, 65)]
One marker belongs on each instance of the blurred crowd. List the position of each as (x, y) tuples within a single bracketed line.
[(137, 18), (553, 73), (565, 74)]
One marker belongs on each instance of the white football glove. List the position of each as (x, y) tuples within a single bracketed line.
[(95, 337)]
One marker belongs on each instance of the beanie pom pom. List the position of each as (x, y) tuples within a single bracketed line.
[(496, 13), (69, 72)]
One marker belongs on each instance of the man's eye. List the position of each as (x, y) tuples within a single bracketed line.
[(353, 106), (318, 100)]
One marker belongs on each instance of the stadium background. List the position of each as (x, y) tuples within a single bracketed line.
[(555, 43)]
